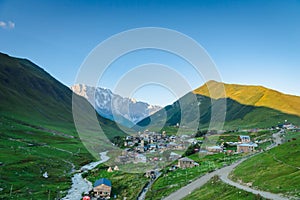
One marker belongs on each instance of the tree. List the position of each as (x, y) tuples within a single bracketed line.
[(200, 133), (118, 141), (191, 149)]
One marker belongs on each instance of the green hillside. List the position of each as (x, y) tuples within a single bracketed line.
[(37, 132), (217, 190), (252, 95), (277, 170), (184, 112)]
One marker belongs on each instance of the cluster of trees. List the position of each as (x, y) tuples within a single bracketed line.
[(192, 149), (118, 141), (200, 133)]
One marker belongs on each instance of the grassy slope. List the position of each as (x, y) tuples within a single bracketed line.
[(171, 181), (37, 131), (123, 184), (217, 190), (253, 95), (276, 170)]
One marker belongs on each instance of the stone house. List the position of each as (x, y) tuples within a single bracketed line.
[(186, 163), (214, 149)]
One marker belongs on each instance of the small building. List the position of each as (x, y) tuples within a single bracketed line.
[(102, 188), (151, 174), (122, 159), (214, 149), (109, 169), (186, 163), (246, 148), (172, 145), (129, 137), (174, 156), (140, 149), (289, 126), (244, 138), (140, 158), (152, 146)]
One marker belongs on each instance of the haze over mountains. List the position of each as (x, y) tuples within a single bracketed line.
[(123, 110)]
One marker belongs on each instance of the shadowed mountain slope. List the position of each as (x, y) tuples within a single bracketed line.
[(37, 132)]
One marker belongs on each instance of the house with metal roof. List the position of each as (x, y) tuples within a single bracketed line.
[(244, 138), (246, 147), (102, 188)]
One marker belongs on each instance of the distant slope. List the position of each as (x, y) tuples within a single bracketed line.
[(254, 96), (237, 114), (123, 110), (37, 132)]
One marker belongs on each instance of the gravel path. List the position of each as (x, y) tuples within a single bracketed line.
[(81, 185)]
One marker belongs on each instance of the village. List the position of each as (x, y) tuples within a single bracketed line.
[(137, 149), (149, 146), (141, 147)]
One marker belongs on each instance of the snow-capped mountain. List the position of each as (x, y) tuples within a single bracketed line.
[(123, 110)]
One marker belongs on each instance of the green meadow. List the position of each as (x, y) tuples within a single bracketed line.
[(276, 170), (217, 190)]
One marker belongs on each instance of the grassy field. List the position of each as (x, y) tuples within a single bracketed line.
[(27, 152), (277, 170), (171, 181), (217, 190), (123, 184), (290, 135)]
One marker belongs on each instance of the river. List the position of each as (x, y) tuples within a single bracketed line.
[(81, 185)]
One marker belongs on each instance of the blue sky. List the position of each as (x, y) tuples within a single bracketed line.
[(251, 42)]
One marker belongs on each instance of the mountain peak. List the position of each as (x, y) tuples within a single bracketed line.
[(123, 110), (251, 95)]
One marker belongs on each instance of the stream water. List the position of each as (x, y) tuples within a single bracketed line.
[(81, 185)]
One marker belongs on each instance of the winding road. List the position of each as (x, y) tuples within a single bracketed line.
[(81, 185), (224, 177), (223, 173)]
